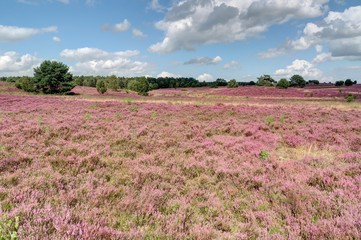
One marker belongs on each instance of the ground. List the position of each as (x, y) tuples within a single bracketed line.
[(195, 163)]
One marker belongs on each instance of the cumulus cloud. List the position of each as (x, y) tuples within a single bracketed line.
[(340, 31), (301, 67), (14, 33), (205, 61), (168, 74), (321, 57), (96, 61), (122, 26), (137, 33), (191, 23), (12, 63), (205, 77)]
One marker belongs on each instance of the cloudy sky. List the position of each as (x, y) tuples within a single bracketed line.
[(204, 39)]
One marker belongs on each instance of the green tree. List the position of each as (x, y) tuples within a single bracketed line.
[(101, 87), (232, 84), (316, 82), (297, 81), (112, 82), (139, 85), (221, 82), (266, 80), (53, 77), (283, 83), (339, 83), (348, 82)]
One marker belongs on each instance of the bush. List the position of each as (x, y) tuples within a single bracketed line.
[(283, 83), (139, 85), (350, 98), (101, 87), (232, 84), (52, 77), (26, 84)]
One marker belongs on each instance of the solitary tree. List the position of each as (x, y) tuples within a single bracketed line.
[(297, 81), (52, 77), (101, 87)]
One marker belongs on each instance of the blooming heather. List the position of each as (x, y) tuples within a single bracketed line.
[(122, 166)]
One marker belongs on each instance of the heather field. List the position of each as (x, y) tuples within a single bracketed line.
[(195, 163)]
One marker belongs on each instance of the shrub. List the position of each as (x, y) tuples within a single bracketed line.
[(101, 87), (139, 85), (232, 84), (26, 84), (283, 83), (350, 98)]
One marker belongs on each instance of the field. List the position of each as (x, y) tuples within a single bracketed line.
[(195, 163)]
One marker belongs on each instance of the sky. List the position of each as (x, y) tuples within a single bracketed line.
[(204, 39)]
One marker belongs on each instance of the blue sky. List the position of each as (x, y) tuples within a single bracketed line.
[(204, 39)]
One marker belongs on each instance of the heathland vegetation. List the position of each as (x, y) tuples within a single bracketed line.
[(163, 158)]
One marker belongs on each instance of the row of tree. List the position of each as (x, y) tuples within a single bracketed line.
[(54, 77)]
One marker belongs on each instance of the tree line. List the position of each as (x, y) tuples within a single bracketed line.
[(54, 77)]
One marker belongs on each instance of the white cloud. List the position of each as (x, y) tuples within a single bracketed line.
[(322, 57), (340, 31), (11, 63), (156, 6), (86, 53), (301, 67), (167, 74), (122, 26), (272, 53), (191, 23), (95, 61), (205, 77), (319, 48), (205, 61), (137, 33), (231, 65), (14, 33), (56, 39)]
